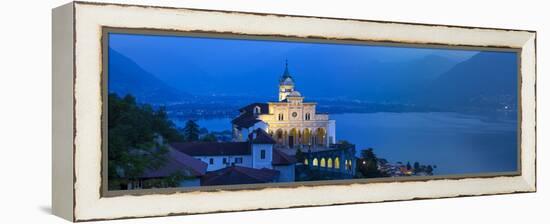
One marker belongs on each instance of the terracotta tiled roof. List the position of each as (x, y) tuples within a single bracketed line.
[(178, 162), (212, 148), (239, 175)]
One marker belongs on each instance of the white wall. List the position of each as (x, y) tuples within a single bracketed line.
[(218, 161), (244, 132), (261, 125), (26, 97), (240, 135), (258, 162), (331, 132)]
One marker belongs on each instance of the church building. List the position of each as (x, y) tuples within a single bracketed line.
[(291, 121)]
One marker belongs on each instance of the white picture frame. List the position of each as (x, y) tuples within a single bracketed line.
[(77, 111)]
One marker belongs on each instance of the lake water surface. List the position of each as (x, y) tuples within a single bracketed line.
[(455, 143)]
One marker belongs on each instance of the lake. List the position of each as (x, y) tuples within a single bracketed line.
[(455, 143)]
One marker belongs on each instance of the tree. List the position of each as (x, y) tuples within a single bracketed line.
[(191, 131), (368, 164), (209, 138), (299, 155), (131, 139), (368, 154), (173, 180), (429, 169), (344, 144), (165, 127), (416, 166)]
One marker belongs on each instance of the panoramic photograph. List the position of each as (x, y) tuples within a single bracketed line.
[(197, 111)]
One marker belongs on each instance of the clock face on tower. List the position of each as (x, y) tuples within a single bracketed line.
[(294, 114)]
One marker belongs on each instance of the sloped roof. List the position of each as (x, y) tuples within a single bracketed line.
[(178, 162), (239, 175), (264, 108), (262, 137), (281, 158), (247, 118), (286, 79), (212, 148)]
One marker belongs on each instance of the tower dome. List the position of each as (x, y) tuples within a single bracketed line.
[(295, 93)]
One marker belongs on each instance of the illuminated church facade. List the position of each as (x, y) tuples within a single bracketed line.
[(290, 121)]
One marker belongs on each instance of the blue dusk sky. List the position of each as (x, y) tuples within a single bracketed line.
[(216, 66)]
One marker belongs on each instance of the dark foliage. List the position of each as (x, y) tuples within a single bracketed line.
[(209, 138), (191, 131), (416, 165), (132, 131), (367, 165), (300, 157)]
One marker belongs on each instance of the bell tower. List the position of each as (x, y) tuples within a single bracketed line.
[(286, 84)]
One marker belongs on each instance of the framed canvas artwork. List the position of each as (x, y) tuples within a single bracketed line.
[(160, 111)]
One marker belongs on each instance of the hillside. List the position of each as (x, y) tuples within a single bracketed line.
[(474, 84), (127, 77)]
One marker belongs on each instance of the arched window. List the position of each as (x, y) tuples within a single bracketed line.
[(323, 163), (308, 116), (337, 163), (257, 110), (315, 162), (281, 117), (306, 137), (306, 162), (329, 163), (279, 134), (320, 136), (346, 164)]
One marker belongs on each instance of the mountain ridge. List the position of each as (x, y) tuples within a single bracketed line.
[(127, 77), (486, 80)]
